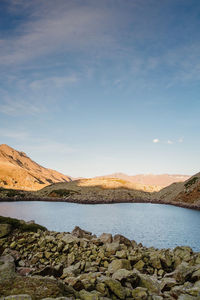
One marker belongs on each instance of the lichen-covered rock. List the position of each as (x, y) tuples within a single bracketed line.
[(18, 297), (70, 239), (150, 283), (139, 293), (5, 229), (119, 264), (84, 295), (116, 287)]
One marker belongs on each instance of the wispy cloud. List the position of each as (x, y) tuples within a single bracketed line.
[(13, 134), (57, 82), (169, 142), (15, 107), (156, 141)]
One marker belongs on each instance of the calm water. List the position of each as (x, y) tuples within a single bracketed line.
[(161, 226)]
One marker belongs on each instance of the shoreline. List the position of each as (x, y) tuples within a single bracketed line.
[(42, 264), (90, 202)]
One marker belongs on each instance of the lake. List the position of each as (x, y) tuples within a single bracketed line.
[(161, 226)]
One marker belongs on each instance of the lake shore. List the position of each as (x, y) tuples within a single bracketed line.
[(96, 201), (79, 265)]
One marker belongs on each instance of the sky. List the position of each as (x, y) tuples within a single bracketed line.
[(95, 87)]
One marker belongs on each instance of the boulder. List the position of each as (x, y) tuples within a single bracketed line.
[(116, 287), (80, 233), (139, 293), (84, 295), (106, 238), (150, 283), (5, 229), (122, 240), (7, 269), (18, 297), (70, 239), (112, 248), (118, 264), (122, 274)]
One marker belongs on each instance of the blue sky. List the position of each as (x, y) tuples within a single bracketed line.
[(94, 87)]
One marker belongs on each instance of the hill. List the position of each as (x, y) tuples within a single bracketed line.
[(183, 192), (97, 190), (18, 171), (161, 180)]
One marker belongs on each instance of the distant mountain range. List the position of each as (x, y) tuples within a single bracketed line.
[(18, 171), (161, 180)]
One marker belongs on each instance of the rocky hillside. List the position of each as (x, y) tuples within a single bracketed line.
[(182, 192), (18, 171), (161, 180), (97, 190), (79, 265)]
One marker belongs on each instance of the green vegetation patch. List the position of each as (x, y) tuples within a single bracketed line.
[(62, 193), (191, 182), (21, 225)]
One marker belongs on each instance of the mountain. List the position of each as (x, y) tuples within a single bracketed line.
[(161, 180), (94, 190), (18, 171), (182, 192)]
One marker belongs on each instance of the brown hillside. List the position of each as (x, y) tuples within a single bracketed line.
[(18, 171), (183, 192)]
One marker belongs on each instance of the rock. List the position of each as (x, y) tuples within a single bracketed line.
[(24, 271), (7, 269), (18, 297), (183, 253), (182, 273), (5, 229), (187, 297), (122, 240), (122, 274), (167, 284), (139, 293), (111, 248), (106, 238), (80, 233), (121, 254), (37, 287), (155, 260), (119, 264), (149, 282), (116, 287), (84, 295), (196, 275), (139, 265), (50, 271), (70, 239)]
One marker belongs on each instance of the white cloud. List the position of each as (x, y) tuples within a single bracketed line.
[(156, 141), (169, 142)]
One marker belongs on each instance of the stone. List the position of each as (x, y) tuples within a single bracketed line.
[(5, 229), (139, 265), (35, 286), (18, 297), (7, 269), (149, 282), (121, 254), (154, 260), (119, 264), (80, 233), (122, 274), (182, 273), (116, 287), (187, 297), (167, 284), (122, 240), (84, 295), (106, 238), (111, 248), (139, 293), (70, 239)]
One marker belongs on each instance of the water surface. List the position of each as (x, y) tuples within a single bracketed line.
[(161, 226)]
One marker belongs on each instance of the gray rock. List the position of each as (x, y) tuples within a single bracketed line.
[(106, 238)]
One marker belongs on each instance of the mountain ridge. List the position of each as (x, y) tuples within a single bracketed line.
[(19, 171)]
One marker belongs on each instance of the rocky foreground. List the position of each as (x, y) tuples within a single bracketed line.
[(39, 264)]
